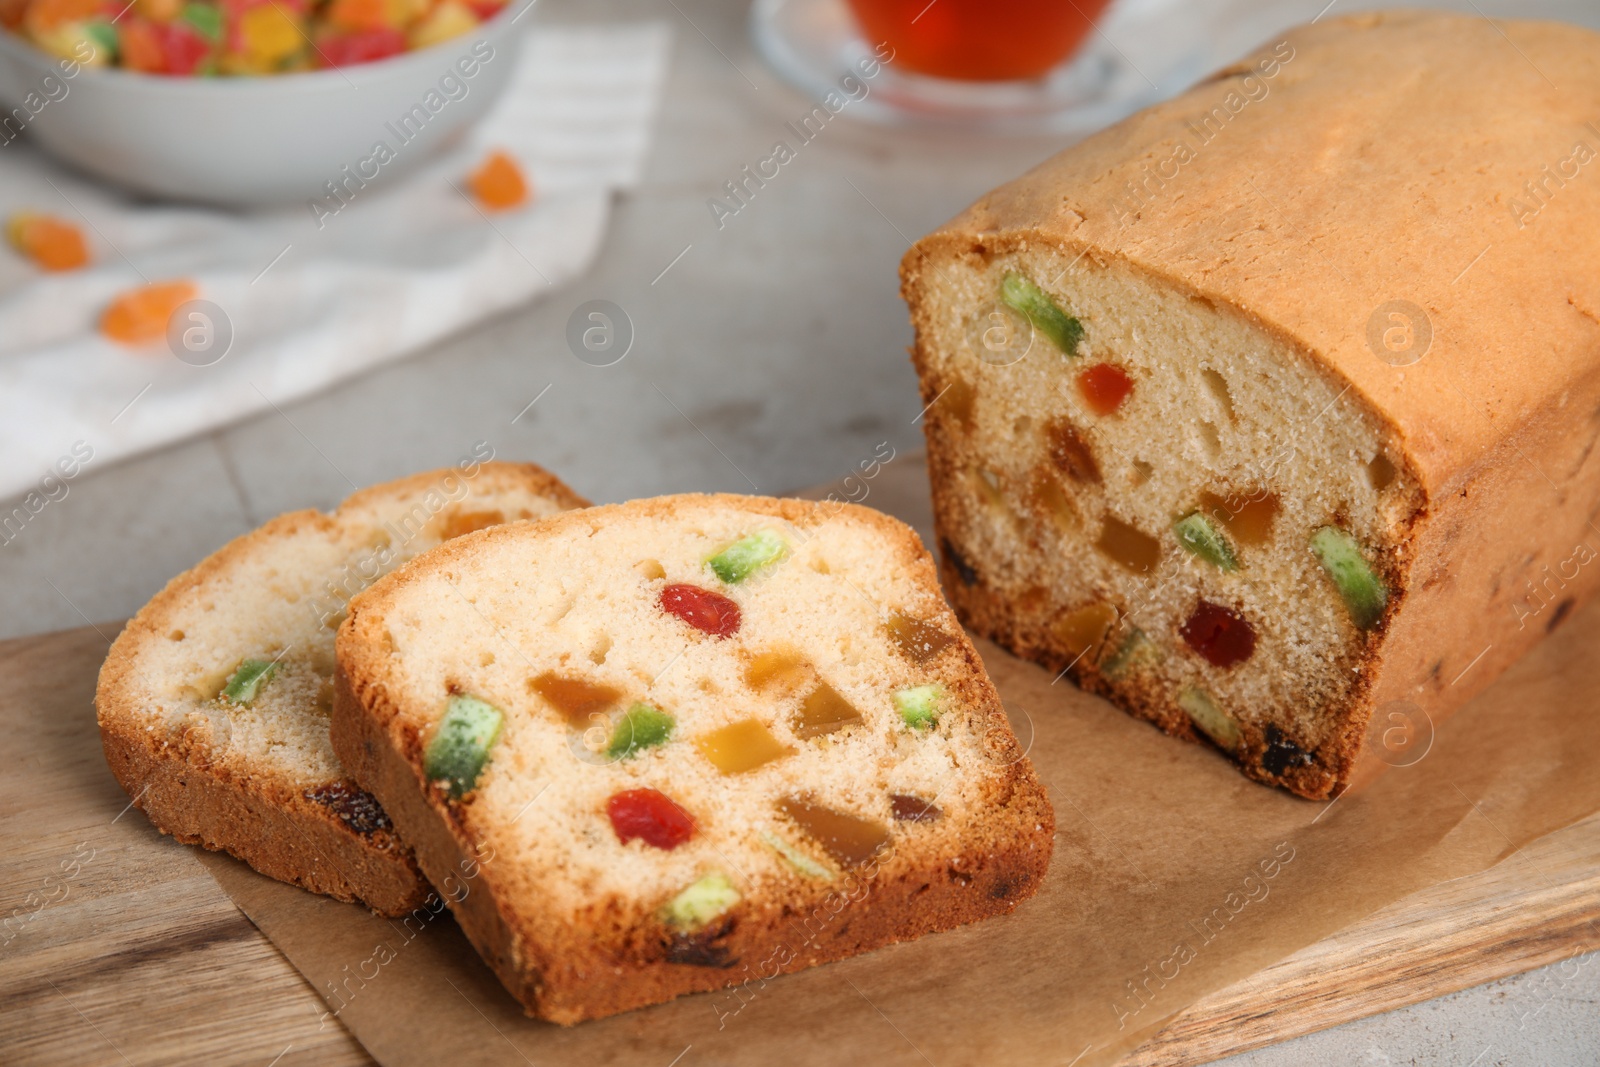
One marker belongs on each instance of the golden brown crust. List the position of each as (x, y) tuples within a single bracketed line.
[(1496, 422), (324, 839), (611, 957)]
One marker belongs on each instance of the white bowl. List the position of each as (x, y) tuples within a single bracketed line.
[(251, 141)]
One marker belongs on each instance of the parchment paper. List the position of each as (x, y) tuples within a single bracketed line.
[(1173, 877)]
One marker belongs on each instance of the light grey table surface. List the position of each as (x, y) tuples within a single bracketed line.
[(770, 356)]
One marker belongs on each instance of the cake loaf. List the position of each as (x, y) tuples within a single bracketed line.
[(686, 743), (1275, 404), (214, 700)]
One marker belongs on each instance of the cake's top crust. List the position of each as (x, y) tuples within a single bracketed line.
[(1452, 162)]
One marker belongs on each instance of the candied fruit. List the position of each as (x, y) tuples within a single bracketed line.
[(1084, 630), (701, 902), (575, 698), (1022, 294), (908, 808), (1247, 517), (1048, 497), (139, 316), (960, 399), (498, 183), (920, 641), (1071, 454), (1202, 539), (1364, 593), (779, 668), (741, 746), (1128, 546), (640, 727), (461, 744), (849, 839), (710, 613), (50, 243), (919, 706), (245, 684), (650, 816), (796, 859), (1221, 635), (822, 712), (1136, 650), (1209, 719), (1104, 387), (747, 555)]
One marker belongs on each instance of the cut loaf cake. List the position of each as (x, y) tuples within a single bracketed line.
[(685, 743), (1275, 404), (214, 701)]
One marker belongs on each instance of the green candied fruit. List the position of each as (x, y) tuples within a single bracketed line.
[(460, 746), (103, 36), (919, 705), (701, 902), (1211, 720), (1136, 649), (640, 727), (1196, 533), (1364, 592), (747, 555), (797, 859), (205, 18), (1020, 294), (248, 678)]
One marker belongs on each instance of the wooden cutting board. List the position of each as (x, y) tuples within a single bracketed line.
[(117, 946)]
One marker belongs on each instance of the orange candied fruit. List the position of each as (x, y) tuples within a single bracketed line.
[(49, 242), (1104, 387), (140, 315), (498, 184)]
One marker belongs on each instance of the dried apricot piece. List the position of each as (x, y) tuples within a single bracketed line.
[(50, 242), (139, 316), (498, 183)]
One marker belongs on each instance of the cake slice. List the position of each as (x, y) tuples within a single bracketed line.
[(1254, 455), (686, 743), (214, 701)]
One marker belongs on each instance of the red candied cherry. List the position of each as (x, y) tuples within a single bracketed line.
[(1104, 387), (708, 612), (1221, 635), (651, 816)]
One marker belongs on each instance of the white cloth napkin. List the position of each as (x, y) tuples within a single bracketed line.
[(388, 275)]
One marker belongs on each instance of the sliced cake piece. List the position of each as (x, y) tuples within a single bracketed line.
[(214, 701), (670, 745), (1254, 460)]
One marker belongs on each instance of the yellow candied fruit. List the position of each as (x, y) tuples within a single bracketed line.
[(849, 839), (823, 711), (1084, 630), (779, 668), (741, 746), (921, 641), (450, 19), (1128, 546)]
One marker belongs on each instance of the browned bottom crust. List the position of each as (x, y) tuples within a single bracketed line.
[(1263, 754), (290, 837), (575, 981)]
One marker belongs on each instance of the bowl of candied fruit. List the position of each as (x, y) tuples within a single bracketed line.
[(250, 102)]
